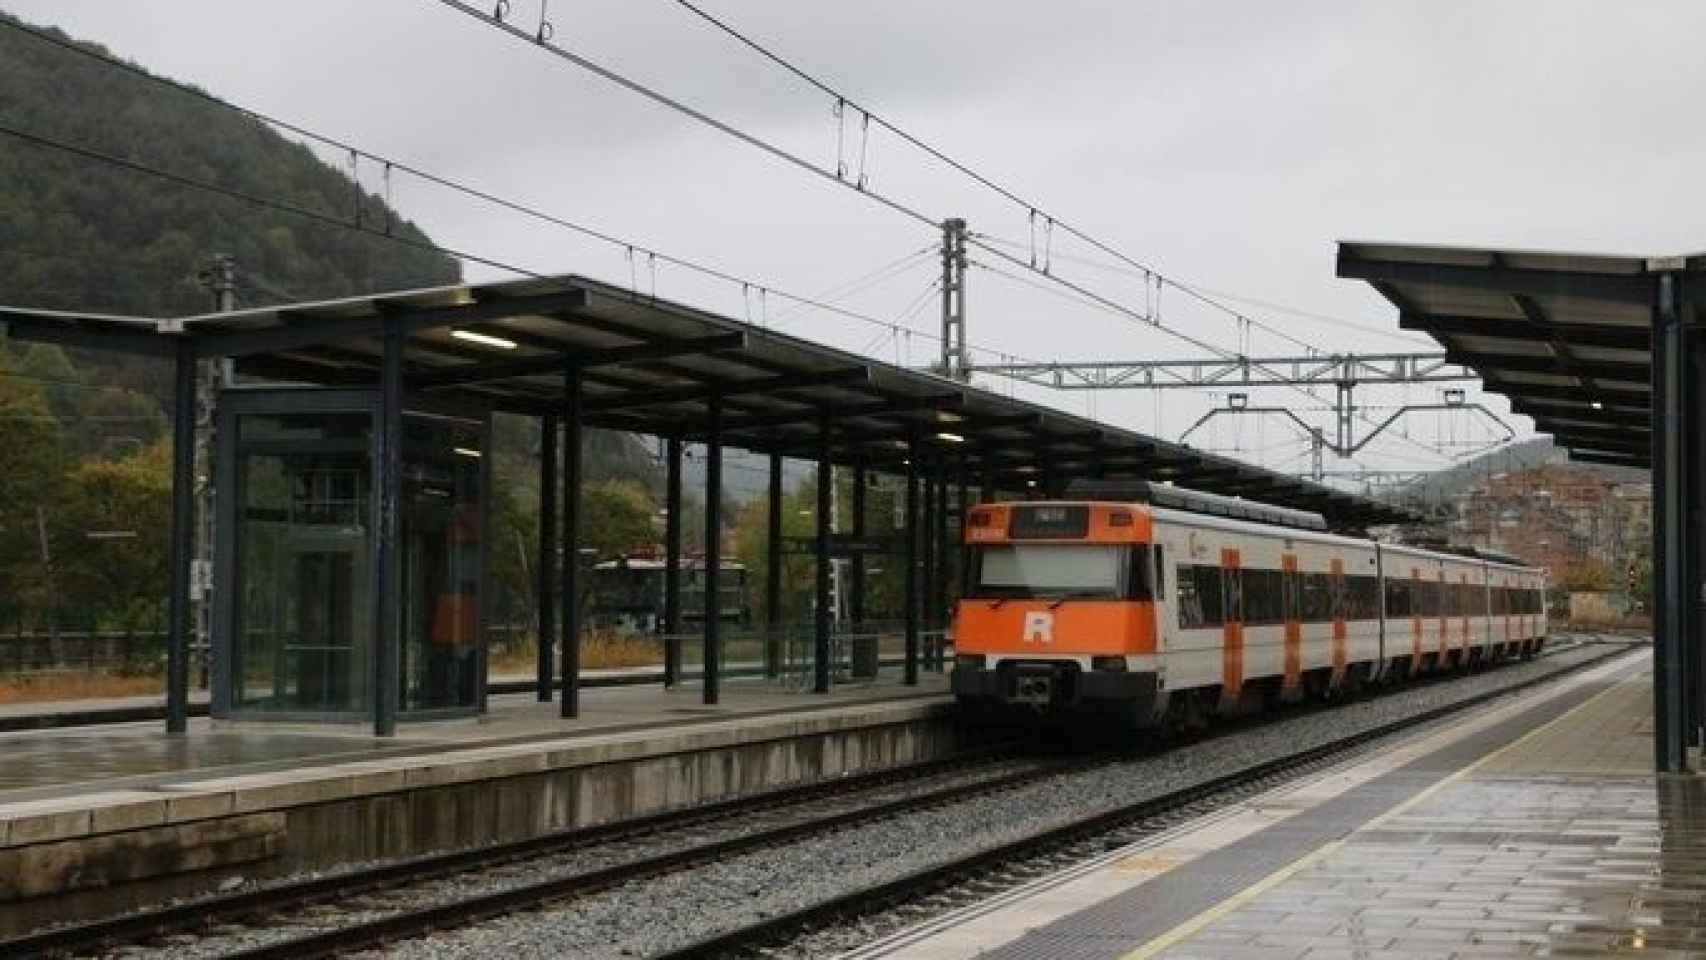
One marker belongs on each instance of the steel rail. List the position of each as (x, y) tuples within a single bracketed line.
[(208, 911), (771, 932)]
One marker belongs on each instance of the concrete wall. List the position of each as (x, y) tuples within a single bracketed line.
[(63, 863)]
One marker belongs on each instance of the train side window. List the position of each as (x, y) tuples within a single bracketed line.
[(1139, 576), (1233, 587), (1160, 572), (1317, 597)]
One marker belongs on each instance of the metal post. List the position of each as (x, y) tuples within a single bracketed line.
[(939, 586), (821, 606), (773, 574), (546, 589), (387, 563), (713, 546), (1694, 485), (955, 361), (911, 559), (181, 547), (928, 533), (1669, 543), (573, 426), (856, 589), (672, 565)]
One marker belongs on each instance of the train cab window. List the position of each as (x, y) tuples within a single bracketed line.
[(1035, 570), (1140, 576)]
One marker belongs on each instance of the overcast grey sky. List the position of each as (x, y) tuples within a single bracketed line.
[(1228, 144)]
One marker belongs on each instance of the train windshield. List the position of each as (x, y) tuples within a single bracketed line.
[(1050, 570)]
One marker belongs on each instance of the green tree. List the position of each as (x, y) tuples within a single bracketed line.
[(30, 435), (109, 532)]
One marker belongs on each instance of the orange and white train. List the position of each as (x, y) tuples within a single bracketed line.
[(1147, 604)]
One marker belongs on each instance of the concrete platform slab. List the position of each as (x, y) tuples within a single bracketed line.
[(1529, 829), (97, 821)]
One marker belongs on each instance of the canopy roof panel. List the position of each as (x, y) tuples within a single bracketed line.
[(1566, 336), (649, 365)]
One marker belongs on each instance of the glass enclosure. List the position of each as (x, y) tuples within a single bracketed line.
[(296, 581), (441, 563), (303, 632)]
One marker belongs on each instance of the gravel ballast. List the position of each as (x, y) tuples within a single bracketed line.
[(648, 917)]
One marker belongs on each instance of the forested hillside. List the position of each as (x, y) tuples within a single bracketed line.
[(84, 432)]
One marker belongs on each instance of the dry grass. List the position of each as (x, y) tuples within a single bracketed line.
[(601, 649), (38, 688)]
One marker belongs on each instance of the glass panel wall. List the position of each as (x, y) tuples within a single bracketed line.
[(302, 625), (441, 514)]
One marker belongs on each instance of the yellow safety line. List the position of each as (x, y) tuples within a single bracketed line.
[(1195, 924)]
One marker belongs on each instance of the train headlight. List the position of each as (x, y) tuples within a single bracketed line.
[(1110, 664), (970, 661)]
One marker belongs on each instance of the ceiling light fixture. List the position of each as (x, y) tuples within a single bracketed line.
[(465, 452), (1598, 405), (483, 338), (950, 437)]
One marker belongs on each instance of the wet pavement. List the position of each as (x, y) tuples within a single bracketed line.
[(1558, 846), (44, 764)]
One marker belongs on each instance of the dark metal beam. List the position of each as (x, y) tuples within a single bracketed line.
[(910, 557), (573, 429), (773, 572), (713, 653), (582, 359), (142, 340), (1580, 335), (1622, 288), (546, 591), (1608, 395), (1613, 369), (672, 563), (388, 538), (652, 398), (299, 330), (181, 542), (1638, 461), (821, 622)]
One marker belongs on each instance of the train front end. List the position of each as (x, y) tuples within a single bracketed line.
[(1057, 616)]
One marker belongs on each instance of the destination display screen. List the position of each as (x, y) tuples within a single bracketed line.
[(1049, 522)]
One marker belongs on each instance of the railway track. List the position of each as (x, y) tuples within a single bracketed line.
[(772, 815), (922, 894), (667, 843)]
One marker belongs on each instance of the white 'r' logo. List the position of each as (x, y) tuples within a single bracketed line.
[(1039, 627)]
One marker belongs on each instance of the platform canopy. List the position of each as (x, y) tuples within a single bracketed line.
[(1567, 337), (649, 366)]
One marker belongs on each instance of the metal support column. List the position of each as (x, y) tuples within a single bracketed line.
[(1671, 591), (572, 429), (856, 602), (387, 556), (910, 557), (773, 574), (672, 564), (927, 530), (181, 546), (821, 607), (939, 586), (713, 546), (547, 587)]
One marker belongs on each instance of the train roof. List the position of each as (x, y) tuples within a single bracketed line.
[(1195, 501)]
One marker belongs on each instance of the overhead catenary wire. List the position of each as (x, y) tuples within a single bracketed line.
[(1033, 210), (390, 165)]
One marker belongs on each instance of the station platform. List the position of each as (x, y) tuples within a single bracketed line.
[(123, 815), (1531, 828)]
